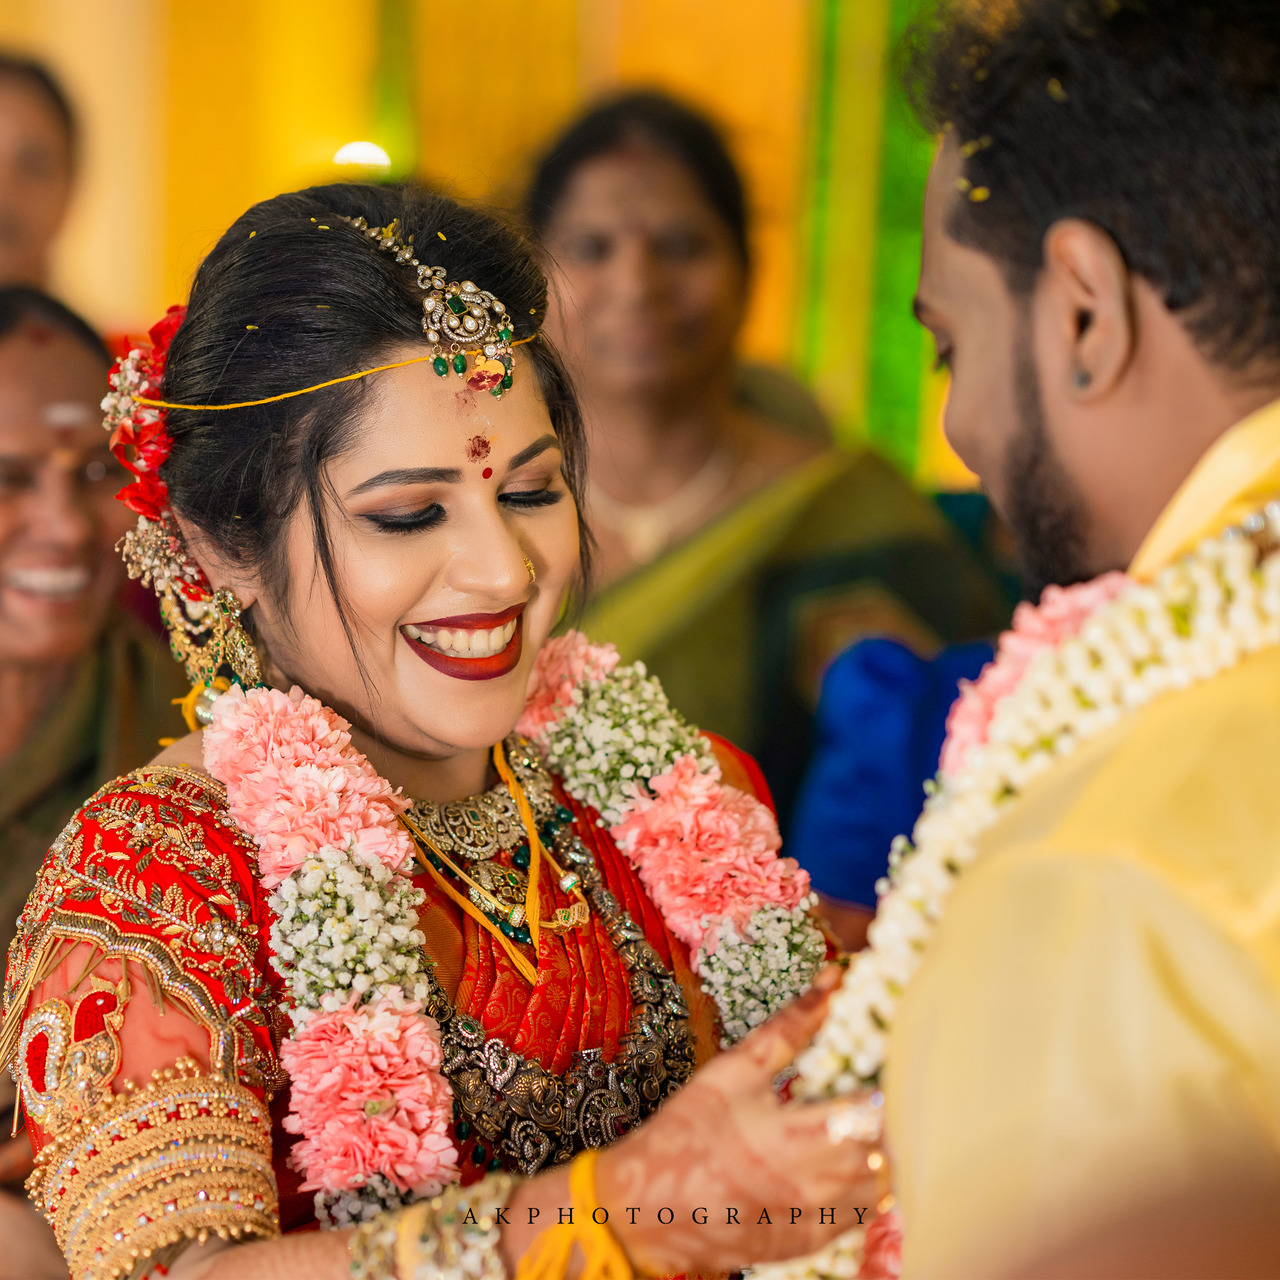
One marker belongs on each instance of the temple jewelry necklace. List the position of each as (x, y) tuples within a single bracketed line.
[(510, 924)]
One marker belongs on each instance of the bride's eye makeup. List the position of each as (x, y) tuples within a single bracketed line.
[(428, 517), (528, 498), (540, 485), (406, 521)]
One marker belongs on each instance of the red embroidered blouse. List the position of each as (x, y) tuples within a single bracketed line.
[(152, 885)]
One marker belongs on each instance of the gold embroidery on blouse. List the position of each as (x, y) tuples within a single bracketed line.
[(156, 926), (64, 1076), (149, 1170)]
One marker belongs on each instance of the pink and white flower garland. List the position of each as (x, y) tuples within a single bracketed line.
[(1070, 668), (706, 852), (369, 1100), (367, 1094)]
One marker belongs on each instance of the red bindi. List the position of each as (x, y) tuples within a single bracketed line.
[(486, 473)]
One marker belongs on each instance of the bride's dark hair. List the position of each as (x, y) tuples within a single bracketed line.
[(292, 296)]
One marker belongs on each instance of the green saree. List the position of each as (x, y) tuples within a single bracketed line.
[(741, 619)]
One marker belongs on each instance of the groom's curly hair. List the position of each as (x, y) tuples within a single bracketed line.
[(1156, 120)]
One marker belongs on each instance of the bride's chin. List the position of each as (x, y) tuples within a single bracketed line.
[(465, 716)]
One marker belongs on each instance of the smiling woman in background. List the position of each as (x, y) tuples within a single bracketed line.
[(84, 692), (738, 552)]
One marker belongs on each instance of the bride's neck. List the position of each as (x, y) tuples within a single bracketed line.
[(438, 781)]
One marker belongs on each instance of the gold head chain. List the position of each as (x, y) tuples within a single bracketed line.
[(459, 319)]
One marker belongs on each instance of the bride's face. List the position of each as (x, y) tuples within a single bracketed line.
[(433, 514)]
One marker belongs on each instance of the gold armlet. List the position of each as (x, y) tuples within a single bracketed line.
[(183, 1158), (456, 1233)]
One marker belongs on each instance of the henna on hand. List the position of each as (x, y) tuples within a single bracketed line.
[(744, 1175)]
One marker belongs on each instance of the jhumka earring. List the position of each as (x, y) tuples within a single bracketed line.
[(205, 631)]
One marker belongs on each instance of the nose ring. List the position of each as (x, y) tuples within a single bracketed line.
[(533, 573)]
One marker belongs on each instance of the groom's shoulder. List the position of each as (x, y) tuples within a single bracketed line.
[(1188, 786)]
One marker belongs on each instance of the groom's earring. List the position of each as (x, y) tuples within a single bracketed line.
[(1082, 379)]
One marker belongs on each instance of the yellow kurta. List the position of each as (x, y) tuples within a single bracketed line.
[(1097, 1020)]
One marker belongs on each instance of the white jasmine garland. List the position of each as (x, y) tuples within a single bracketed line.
[(1200, 617), (346, 924), (618, 732)]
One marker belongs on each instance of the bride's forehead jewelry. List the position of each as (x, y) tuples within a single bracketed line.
[(459, 320)]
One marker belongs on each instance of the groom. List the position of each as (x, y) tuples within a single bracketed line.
[(1084, 1077)]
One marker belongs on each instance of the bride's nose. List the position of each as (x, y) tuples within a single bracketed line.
[(488, 561)]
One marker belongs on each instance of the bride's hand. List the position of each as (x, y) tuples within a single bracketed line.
[(727, 1142)]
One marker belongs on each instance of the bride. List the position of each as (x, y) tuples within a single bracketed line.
[(421, 926)]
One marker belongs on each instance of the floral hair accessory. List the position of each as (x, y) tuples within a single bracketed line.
[(204, 626), (140, 436), (140, 440)]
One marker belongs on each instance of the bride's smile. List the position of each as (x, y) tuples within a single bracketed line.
[(470, 639), (449, 571)]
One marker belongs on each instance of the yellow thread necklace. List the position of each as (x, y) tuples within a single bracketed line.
[(510, 925)]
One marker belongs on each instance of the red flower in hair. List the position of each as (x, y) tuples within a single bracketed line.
[(139, 433), (161, 333)]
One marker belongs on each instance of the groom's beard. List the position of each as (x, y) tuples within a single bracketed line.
[(1044, 511)]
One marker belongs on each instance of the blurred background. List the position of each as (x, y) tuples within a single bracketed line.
[(191, 111)]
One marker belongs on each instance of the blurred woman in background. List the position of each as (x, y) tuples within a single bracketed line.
[(738, 552), (84, 691), (37, 168)]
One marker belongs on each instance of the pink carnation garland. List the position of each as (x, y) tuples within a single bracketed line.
[(367, 1094), (705, 852)]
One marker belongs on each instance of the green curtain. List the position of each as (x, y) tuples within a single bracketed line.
[(857, 340)]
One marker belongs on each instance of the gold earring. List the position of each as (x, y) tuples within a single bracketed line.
[(206, 635), (533, 573)]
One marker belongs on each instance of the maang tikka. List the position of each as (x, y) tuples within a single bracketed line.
[(459, 319)]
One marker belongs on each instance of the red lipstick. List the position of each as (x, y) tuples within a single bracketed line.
[(488, 667)]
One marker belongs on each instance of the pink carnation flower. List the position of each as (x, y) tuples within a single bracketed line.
[(702, 848), (295, 783), (250, 728), (561, 665), (882, 1248), (367, 1092), (1061, 614)]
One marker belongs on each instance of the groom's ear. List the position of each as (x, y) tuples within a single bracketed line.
[(1086, 289)]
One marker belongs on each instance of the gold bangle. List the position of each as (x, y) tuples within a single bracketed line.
[(457, 1232)]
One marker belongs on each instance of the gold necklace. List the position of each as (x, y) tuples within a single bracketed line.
[(509, 923)]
